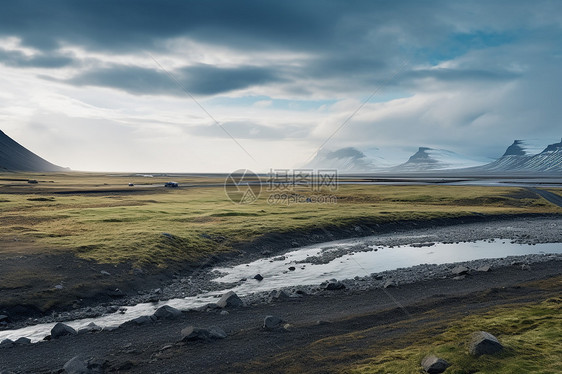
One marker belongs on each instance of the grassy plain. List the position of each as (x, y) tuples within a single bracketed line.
[(99, 217)]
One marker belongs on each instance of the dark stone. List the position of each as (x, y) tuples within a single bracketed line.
[(258, 277), (191, 333), (6, 343), (272, 323), (460, 270), (23, 341), (434, 365), (143, 320), (230, 300), (484, 343), (61, 329), (292, 268), (334, 284), (167, 312)]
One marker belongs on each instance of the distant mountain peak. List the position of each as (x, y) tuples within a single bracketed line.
[(427, 159), (515, 149)]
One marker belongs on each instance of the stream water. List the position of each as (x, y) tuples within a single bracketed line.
[(278, 273)]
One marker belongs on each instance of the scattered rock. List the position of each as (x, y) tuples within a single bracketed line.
[(61, 329), (78, 365), (525, 267), (91, 327), (389, 283), (6, 343), (292, 268), (23, 341), (258, 277), (103, 272), (116, 293), (192, 333), (167, 312), (484, 268), (142, 320), (230, 300), (434, 365), (334, 284), (4, 318), (278, 295), (224, 313), (459, 277), (59, 287), (460, 270), (484, 343), (273, 323)]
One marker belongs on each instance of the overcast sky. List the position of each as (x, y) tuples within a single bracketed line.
[(78, 84)]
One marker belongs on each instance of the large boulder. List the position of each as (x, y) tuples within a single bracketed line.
[(230, 300), (273, 323), (191, 333), (167, 312), (434, 365), (484, 343), (61, 329)]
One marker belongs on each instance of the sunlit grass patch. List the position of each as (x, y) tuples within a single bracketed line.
[(530, 335), (109, 226)]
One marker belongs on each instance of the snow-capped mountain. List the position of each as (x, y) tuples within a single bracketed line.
[(428, 159), (344, 160), (527, 156)]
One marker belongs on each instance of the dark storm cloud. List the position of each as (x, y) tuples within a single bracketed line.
[(130, 25), (18, 59), (199, 79), (208, 80)]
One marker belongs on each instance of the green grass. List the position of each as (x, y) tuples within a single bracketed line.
[(530, 334), (113, 227)]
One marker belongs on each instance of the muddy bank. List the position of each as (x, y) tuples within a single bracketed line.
[(64, 287), (156, 347)]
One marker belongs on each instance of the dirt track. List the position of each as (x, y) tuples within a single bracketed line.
[(141, 348)]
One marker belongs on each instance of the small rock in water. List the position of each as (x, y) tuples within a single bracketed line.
[(61, 329), (258, 277), (434, 365), (273, 323), (292, 268), (484, 343), (230, 300), (167, 312)]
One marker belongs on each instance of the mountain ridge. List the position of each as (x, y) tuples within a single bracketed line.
[(15, 157)]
